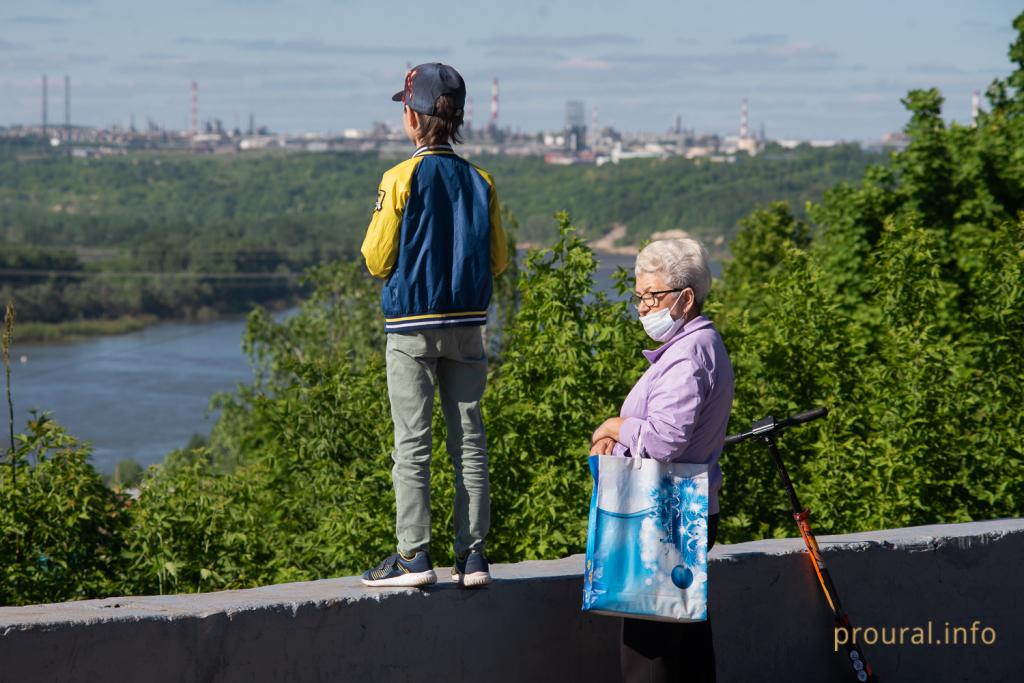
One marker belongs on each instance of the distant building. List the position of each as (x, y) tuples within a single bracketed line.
[(575, 127), (896, 141), (749, 145)]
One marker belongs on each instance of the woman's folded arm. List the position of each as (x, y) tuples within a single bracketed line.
[(673, 405)]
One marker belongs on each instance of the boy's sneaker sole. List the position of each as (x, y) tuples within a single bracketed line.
[(410, 580), (471, 580)]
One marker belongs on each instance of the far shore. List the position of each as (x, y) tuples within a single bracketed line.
[(610, 244), (76, 330), (69, 331)]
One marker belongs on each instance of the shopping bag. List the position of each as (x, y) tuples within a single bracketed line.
[(647, 540)]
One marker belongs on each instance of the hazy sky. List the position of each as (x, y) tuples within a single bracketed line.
[(810, 69)]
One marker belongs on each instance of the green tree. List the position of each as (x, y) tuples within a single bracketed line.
[(61, 529), (903, 315)]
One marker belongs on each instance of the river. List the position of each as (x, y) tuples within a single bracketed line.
[(143, 394)]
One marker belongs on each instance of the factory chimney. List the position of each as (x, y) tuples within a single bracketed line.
[(67, 111), (45, 106), (494, 102), (194, 118), (975, 108), (744, 127)]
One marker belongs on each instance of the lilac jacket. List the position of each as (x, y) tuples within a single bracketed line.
[(680, 406)]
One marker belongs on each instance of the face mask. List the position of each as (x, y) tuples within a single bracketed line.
[(659, 325)]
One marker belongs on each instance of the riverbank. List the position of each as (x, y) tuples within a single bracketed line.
[(77, 330), (67, 331)]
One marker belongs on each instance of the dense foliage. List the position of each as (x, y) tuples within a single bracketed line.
[(705, 198), (901, 307), (193, 236), (897, 301), (61, 529)]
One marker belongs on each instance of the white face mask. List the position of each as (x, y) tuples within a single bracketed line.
[(659, 325)]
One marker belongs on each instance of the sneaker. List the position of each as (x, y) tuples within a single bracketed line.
[(471, 570), (397, 570)]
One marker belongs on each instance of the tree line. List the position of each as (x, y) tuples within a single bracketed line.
[(193, 236)]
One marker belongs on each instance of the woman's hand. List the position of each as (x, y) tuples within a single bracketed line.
[(604, 446), (609, 429)]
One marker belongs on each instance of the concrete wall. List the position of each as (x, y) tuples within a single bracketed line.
[(770, 622)]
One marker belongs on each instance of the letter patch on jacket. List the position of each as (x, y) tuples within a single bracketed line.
[(380, 200)]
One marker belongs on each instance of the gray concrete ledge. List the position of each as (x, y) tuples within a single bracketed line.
[(770, 621)]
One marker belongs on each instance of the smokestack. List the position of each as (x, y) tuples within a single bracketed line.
[(45, 106), (194, 121), (67, 111), (494, 103), (975, 108), (744, 128)]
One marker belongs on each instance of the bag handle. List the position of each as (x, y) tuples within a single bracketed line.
[(636, 461)]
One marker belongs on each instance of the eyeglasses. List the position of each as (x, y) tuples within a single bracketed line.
[(650, 299)]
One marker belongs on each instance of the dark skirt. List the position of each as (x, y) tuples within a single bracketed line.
[(656, 651)]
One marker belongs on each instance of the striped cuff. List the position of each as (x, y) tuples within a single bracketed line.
[(434, 320)]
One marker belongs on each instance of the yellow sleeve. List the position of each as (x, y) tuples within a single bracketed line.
[(499, 241), (380, 246)]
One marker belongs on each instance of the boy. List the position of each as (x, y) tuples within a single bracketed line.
[(436, 237)]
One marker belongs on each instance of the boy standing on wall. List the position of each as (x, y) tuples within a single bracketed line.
[(436, 238)]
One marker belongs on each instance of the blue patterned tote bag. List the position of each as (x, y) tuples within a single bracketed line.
[(647, 541)]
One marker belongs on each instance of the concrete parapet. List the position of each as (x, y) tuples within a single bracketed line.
[(770, 621)]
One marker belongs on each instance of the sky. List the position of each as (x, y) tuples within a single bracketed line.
[(809, 69)]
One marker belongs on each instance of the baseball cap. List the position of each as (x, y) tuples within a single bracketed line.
[(426, 82)]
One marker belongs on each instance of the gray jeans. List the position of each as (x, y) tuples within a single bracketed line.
[(453, 360)]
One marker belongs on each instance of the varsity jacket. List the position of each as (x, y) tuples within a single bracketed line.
[(436, 238)]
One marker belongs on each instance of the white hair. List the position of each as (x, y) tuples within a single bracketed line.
[(681, 262)]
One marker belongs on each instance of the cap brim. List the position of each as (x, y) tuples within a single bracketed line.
[(397, 97)]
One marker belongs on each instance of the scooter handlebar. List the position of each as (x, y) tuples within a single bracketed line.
[(805, 416), (768, 425)]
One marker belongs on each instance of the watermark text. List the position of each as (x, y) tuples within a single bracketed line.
[(928, 634)]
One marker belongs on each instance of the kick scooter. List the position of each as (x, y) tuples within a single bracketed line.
[(764, 430)]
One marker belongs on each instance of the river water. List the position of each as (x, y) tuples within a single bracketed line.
[(141, 395), (137, 395)]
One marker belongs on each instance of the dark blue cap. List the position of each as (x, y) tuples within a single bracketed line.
[(426, 82)]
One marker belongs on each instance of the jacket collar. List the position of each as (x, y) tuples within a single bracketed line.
[(698, 323), (433, 149)]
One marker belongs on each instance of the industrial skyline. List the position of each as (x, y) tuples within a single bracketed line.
[(572, 144), (574, 131), (575, 127), (317, 65)]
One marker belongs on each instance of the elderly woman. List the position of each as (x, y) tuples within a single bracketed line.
[(679, 412)]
